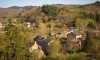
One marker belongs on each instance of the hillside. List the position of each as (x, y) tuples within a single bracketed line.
[(93, 7), (15, 10), (50, 32)]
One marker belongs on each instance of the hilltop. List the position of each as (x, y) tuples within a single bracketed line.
[(15, 10)]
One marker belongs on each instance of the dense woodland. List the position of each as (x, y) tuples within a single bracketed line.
[(49, 18)]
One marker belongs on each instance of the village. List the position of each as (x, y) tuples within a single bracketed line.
[(72, 35), (50, 32), (70, 38)]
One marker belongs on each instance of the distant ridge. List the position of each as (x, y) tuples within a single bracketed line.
[(15, 10), (25, 7), (97, 3)]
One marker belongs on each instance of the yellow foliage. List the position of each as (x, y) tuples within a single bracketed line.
[(82, 23)]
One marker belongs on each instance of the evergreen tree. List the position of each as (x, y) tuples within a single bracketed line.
[(92, 16), (74, 22), (92, 25), (49, 10), (87, 44), (14, 44), (97, 17)]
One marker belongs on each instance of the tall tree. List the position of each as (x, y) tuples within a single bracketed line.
[(74, 22), (54, 47), (50, 10), (92, 25), (87, 44), (37, 54), (14, 44), (97, 17)]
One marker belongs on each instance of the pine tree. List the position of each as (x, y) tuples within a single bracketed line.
[(74, 22), (97, 17), (92, 25), (14, 44), (87, 44)]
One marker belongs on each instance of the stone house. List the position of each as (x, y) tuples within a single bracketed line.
[(33, 46), (72, 43), (74, 36), (77, 34), (43, 42)]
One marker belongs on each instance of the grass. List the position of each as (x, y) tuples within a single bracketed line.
[(75, 9), (78, 56)]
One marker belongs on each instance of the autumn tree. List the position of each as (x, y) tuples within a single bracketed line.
[(54, 47), (37, 55), (54, 50), (42, 29)]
